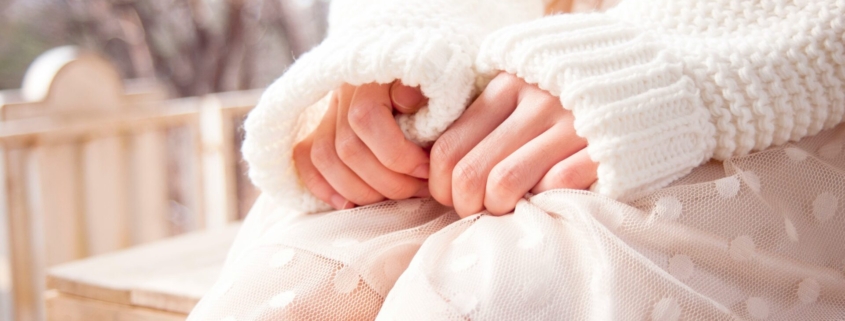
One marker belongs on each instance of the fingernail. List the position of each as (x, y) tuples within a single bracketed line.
[(338, 201), (407, 99), (421, 171)]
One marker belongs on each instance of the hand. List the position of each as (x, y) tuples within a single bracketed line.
[(358, 154), (513, 139)]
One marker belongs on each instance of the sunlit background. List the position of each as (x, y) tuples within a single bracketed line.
[(195, 47), (135, 139)]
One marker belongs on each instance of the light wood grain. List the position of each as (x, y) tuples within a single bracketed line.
[(64, 307), (148, 191), (42, 190), (89, 166), (186, 184), (6, 292), (106, 195), (26, 267), (170, 275), (219, 181), (57, 202), (69, 79)]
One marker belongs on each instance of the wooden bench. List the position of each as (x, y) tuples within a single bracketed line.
[(91, 164), (159, 281)]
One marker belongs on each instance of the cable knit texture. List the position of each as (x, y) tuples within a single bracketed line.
[(426, 43), (658, 87)]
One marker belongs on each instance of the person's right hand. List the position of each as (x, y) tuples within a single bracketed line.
[(357, 155)]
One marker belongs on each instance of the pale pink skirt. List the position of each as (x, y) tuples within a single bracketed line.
[(755, 237)]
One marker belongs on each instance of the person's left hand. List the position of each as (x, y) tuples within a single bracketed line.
[(513, 139)]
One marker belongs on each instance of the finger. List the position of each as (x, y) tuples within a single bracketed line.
[(576, 172), (325, 159), (371, 117), (311, 177), (361, 160), (424, 191), (513, 177), (490, 109), (469, 179), (405, 99), (358, 157)]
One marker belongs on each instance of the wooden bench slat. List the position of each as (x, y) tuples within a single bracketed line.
[(148, 191), (24, 255), (91, 164), (57, 201), (106, 182), (64, 307), (170, 275)]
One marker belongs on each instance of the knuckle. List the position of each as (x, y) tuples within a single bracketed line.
[(444, 150), (322, 153), (393, 160), (549, 102), (505, 81), (466, 177), (397, 190), (361, 115), (349, 147), (505, 181)]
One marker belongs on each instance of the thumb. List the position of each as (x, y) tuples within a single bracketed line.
[(406, 100)]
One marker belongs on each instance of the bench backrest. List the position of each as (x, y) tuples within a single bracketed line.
[(92, 164)]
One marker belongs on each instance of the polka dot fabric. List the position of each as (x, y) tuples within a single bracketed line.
[(330, 266), (760, 237)]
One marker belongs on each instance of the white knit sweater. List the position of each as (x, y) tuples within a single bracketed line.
[(657, 87)]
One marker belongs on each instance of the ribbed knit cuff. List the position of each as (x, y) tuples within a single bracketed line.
[(642, 116), (433, 56)]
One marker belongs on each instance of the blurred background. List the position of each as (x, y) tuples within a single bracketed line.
[(129, 133), (193, 47)]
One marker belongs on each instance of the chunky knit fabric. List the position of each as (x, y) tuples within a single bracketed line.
[(426, 43), (657, 87), (660, 86)]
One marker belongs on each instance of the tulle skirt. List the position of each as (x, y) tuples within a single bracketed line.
[(754, 237)]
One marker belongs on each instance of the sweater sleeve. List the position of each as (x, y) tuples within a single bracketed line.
[(658, 87), (426, 43)]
